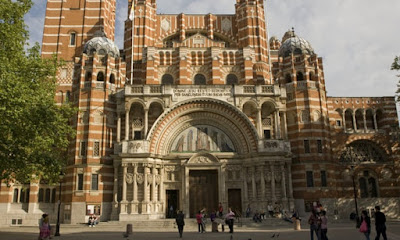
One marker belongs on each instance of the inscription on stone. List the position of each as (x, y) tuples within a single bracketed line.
[(202, 92)]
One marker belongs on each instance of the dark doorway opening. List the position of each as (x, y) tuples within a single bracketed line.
[(203, 191), (235, 201), (172, 203)]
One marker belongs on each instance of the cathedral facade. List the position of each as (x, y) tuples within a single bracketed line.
[(198, 110)]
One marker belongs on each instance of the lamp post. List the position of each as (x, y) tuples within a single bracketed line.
[(354, 190), (60, 178)]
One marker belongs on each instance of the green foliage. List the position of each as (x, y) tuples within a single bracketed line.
[(35, 132), (396, 67)]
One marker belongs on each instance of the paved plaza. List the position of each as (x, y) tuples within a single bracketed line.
[(337, 231)]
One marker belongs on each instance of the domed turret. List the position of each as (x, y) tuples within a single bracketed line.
[(294, 44), (102, 45)]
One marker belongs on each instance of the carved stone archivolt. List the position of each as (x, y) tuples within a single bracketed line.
[(201, 159)]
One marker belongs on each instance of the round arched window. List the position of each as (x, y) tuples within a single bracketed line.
[(112, 78), (200, 79), (300, 76), (88, 77), (231, 79), (100, 77), (167, 79)]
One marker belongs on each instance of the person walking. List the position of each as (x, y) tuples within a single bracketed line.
[(199, 217), (380, 223), (44, 227), (229, 218), (180, 222), (324, 226), (220, 209), (315, 225), (365, 227)]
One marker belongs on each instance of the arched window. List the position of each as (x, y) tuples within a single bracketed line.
[(288, 78), (200, 79), (305, 116), (112, 78), (300, 76), (88, 77), (167, 79), (68, 96), (22, 196), (100, 77), (47, 197), (41, 195), (15, 196), (297, 51), (231, 79), (368, 186), (53, 195), (311, 75), (363, 151)]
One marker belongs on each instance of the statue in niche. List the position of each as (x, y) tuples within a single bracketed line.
[(202, 139), (190, 141)]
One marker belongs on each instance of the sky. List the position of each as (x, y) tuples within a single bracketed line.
[(357, 39)]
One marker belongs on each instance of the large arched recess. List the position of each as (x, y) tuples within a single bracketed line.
[(203, 112)]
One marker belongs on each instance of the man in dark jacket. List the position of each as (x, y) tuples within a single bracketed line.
[(380, 223), (180, 222)]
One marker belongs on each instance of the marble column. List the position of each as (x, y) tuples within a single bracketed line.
[(285, 126), (375, 122), (127, 125), (245, 191), (262, 181), (114, 210), (119, 128), (259, 123), (146, 123), (278, 115), (161, 195), (344, 120), (290, 184), (145, 208), (124, 188), (354, 121), (153, 185), (283, 181), (253, 183), (272, 169), (135, 189), (365, 121)]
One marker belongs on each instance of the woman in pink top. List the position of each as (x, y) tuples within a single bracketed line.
[(199, 219), (324, 226)]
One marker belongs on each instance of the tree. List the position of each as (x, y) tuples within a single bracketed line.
[(35, 132), (396, 66)]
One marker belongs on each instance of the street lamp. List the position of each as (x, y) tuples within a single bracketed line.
[(60, 178), (354, 190)]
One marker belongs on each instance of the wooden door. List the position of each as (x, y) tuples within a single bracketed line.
[(203, 191), (235, 200)]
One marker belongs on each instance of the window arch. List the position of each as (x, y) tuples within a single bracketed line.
[(231, 79), (368, 186), (288, 78), (68, 96), (100, 77), (53, 195), (311, 75), (304, 116), (41, 195), (88, 77), (167, 79), (363, 151), (47, 196), (200, 79), (112, 78), (300, 76)]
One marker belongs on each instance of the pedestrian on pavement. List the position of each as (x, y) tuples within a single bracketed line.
[(171, 211), (180, 222), (248, 210), (380, 223), (44, 227), (220, 209), (365, 227), (229, 219), (324, 225), (199, 217), (315, 225)]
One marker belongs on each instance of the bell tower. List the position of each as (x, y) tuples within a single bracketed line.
[(71, 23)]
